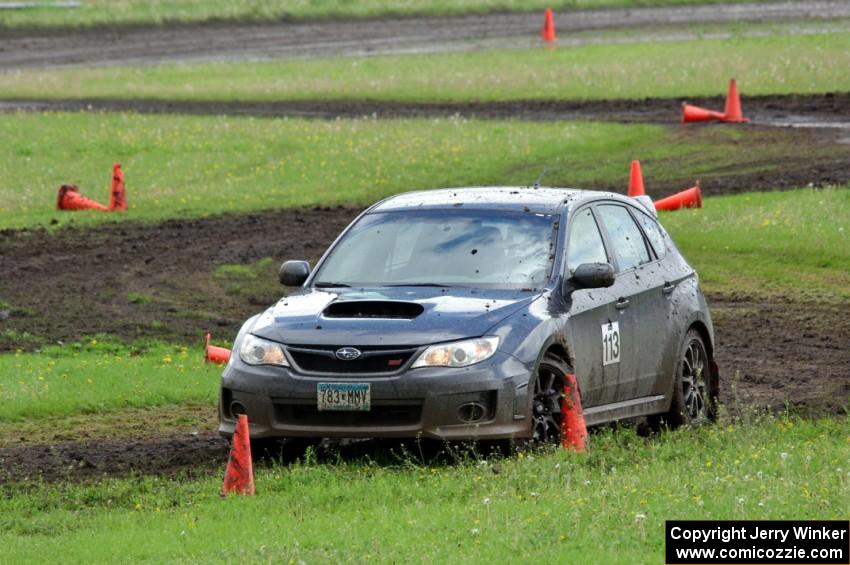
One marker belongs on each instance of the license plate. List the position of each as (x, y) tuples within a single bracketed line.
[(344, 396)]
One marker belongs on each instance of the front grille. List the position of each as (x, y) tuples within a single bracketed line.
[(323, 360), (309, 415)]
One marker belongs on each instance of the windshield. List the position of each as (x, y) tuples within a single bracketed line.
[(481, 248)]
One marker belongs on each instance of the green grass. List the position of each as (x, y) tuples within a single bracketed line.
[(794, 244), (93, 12), (101, 377), (606, 506), (776, 64), (178, 166), (192, 166), (139, 298)]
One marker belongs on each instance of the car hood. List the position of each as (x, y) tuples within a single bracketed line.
[(427, 315)]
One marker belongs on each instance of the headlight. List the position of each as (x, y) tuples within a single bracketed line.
[(258, 351), (459, 353)]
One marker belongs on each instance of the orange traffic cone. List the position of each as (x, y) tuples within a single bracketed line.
[(733, 112), (573, 427), (548, 33), (636, 180), (696, 114), (688, 198), (118, 196), (69, 198), (239, 477), (213, 354)]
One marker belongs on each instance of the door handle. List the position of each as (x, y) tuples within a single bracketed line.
[(668, 288), (622, 304)]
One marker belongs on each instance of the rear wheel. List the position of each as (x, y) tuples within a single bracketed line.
[(694, 390), (548, 394)]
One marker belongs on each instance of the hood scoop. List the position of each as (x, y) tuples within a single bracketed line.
[(373, 309)]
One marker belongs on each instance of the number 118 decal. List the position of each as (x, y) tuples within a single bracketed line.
[(610, 343)]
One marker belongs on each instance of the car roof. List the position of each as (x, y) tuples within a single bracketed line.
[(542, 200)]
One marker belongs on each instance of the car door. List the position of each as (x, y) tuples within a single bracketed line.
[(658, 350), (592, 330), (639, 293)]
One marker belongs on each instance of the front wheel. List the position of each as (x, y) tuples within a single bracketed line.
[(694, 389), (548, 394)]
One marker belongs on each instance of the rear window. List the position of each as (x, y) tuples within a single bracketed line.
[(653, 232)]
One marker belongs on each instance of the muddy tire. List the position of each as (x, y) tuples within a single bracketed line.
[(694, 389)]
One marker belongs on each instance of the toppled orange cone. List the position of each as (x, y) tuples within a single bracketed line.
[(69, 198), (239, 476), (548, 32), (688, 198), (213, 354), (573, 426), (692, 113), (118, 195), (636, 180)]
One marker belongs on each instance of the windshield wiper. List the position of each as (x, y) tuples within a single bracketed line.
[(331, 285)]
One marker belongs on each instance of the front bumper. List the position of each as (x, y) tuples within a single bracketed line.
[(420, 402)]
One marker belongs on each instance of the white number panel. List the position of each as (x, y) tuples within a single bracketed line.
[(610, 343)]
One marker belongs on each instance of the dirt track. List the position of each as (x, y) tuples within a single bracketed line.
[(22, 48), (824, 110), (187, 455), (75, 282), (784, 351)]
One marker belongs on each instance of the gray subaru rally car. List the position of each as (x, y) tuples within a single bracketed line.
[(454, 314)]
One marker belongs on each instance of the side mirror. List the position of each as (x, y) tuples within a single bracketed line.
[(593, 275), (294, 273)]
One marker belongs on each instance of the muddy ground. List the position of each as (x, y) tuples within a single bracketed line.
[(826, 111), (76, 281), (23, 48), (186, 455), (136, 281)]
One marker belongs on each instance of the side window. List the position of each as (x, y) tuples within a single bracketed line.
[(653, 232), (585, 245), (625, 236)]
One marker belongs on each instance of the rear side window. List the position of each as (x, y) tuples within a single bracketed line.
[(585, 244), (653, 233), (625, 236)]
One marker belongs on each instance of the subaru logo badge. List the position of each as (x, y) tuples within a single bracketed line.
[(347, 353)]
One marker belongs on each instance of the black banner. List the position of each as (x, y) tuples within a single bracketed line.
[(815, 542)]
